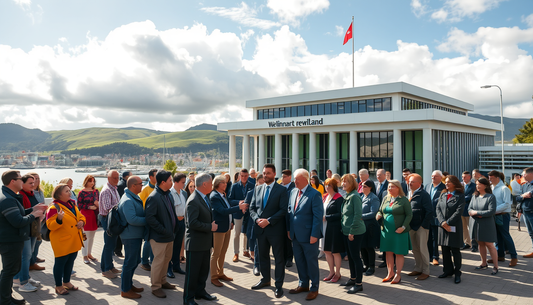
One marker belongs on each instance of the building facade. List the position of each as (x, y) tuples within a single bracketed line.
[(391, 126), (516, 158)]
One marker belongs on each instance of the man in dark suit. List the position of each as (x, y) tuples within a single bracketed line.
[(236, 196), (286, 181), (198, 241), (364, 176), (304, 221), (405, 173), (268, 209), (470, 187), (434, 189), (420, 223), (382, 185)]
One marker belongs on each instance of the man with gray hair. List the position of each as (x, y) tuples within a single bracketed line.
[(109, 198), (363, 176), (434, 189), (304, 228)]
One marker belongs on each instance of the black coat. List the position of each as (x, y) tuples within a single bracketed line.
[(275, 210), (450, 211), (435, 200), (198, 219), (469, 192), (221, 212), (422, 210), (382, 191), (14, 219), (121, 186), (159, 216)]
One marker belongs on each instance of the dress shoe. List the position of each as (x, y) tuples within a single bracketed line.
[(435, 262), (387, 279), (382, 265), (225, 278), (370, 271), (137, 289), (37, 267), (236, 258), (414, 273), (298, 290), (288, 264), (278, 293), (422, 277), (457, 279), (206, 296), (311, 295), (179, 271), (159, 293), (365, 269), (261, 284), (514, 262), (465, 247), (350, 282), (444, 275), (396, 282), (256, 271), (146, 267), (130, 295), (329, 277), (170, 274), (39, 260), (474, 249), (355, 289), (500, 259), (115, 271), (167, 285), (530, 255), (217, 283), (246, 254), (109, 274), (335, 279), (17, 301)]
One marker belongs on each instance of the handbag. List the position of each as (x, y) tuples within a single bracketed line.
[(45, 232)]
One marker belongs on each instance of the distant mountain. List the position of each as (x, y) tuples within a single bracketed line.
[(511, 125), (16, 138), (203, 127)]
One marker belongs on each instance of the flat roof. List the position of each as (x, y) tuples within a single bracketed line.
[(389, 88)]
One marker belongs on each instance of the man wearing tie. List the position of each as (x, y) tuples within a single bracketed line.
[(434, 189), (198, 241), (236, 196), (382, 185), (304, 221), (268, 209)]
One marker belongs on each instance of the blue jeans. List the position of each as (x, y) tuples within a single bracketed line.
[(63, 268), (528, 219), (132, 258), (106, 262), (147, 255), (33, 259), (505, 241), (24, 274)]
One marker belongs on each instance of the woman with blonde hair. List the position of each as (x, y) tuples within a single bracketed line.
[(88, 199), (395, 210), (65, 222), (338, 178), (69, 182)]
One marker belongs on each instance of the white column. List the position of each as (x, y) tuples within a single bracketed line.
[(232, 160), (295, 151), (397, 154), (333, 151), (261, 160), (255, 154), (427, 155), (354, 152), (312, 151), (246, 151), (277, 154)]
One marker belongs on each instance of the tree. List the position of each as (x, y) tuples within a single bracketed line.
[(526, 133), (171, 166)]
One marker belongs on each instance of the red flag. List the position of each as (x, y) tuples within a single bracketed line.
[(348, 34)]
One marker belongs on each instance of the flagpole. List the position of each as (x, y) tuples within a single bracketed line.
[(353, 58)]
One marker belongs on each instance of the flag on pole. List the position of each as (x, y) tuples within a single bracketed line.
[(348, 34)]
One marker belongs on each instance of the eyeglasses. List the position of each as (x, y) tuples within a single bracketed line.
[(18, 178)]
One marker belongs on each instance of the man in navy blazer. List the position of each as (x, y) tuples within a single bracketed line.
[(236, 196), (268, 209), (470, 187), (304, 224), (286, 182), (434, 189), (382, 185)]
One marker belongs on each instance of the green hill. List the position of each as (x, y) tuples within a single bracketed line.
[(183, 139)]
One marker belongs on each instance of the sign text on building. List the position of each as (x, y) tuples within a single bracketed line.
[(308, 122)]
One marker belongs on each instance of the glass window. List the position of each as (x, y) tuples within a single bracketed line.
[(390, 143), (314, 109), (355, 107), (340, 108), (294, 111), (362, 144), (362, 106), (383, 145), (271, 113), (301, 111), (347, 107), (368, 144), (386, 104), (321, 109), (276, 113), (375, 145), (260, 114), (369, 105), (377, 104), (282, 112), (327, 108), (333, 108), (307, 110)]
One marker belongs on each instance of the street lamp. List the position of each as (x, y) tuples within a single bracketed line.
[(501, 115)]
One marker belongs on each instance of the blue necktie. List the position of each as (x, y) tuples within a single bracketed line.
[(267, 192), (207, 202)]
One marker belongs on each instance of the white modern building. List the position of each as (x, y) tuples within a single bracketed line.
[(391, 126), (516, 158)]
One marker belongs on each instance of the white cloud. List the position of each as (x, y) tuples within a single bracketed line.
[(34, 12), (528, 20), (291, 11), (419, 7), (339, 30), (242, 14), (454, 10)]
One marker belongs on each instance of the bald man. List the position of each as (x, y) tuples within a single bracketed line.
[(109, 198)]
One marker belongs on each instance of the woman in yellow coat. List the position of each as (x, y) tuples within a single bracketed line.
[(66, 236)]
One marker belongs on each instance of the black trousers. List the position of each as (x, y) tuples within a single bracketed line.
[(450, 267), (11, 260), (197, 271), (353, 248), (178, 240), (277, 243), (288, 249), (369, 257), (433, 245)]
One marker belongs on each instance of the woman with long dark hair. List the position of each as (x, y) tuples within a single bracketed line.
[(88, 199), (315, 183)]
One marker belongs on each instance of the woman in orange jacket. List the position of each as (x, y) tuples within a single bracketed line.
[(66, 236)]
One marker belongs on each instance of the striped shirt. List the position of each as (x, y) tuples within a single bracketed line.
[(109, 198)]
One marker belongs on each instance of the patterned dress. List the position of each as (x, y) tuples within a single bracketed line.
[(86, 200)]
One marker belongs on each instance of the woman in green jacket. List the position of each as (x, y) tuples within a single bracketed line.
[(353, 229), (396, 213)]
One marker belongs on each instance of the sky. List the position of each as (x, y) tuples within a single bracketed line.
[(169, 65)]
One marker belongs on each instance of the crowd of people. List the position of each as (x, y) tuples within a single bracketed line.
[(189, 219)]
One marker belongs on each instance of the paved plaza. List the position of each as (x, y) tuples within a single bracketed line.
[(510, 286)]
